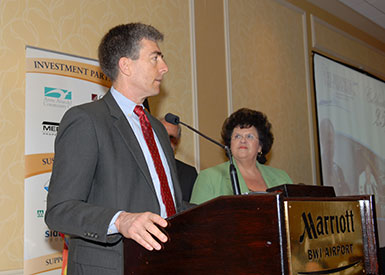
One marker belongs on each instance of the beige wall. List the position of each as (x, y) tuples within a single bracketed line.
[(270, 48), (269, 73)]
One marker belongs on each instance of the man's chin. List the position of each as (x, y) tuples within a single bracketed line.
[(154, 93)]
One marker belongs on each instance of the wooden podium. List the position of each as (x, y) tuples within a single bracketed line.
[(266, 233)]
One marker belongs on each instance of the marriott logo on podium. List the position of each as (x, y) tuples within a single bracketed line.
[(325, 225)]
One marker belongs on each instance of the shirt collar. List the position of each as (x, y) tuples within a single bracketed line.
[(124, 103)]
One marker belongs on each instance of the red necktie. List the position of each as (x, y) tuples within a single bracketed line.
[(149, 137)]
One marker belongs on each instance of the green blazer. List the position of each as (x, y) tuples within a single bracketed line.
[(215, 181)]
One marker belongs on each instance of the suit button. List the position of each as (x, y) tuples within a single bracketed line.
[(96, 236)]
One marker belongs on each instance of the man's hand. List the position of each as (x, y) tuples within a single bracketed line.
[(138, 226)]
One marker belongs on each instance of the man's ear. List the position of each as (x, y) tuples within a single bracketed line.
[(125, 65)]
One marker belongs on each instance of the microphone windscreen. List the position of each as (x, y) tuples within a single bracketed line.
[(171, 118)]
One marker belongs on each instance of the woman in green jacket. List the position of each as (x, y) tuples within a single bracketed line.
[(248, 134)]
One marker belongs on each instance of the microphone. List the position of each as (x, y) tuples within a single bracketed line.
[(173, 119)]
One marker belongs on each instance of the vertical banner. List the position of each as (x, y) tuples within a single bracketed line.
[(54, 83)]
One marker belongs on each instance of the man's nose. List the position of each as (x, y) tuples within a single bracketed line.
[(163, 67)]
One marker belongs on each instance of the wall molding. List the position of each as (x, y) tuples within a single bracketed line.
[(229, 83), (194, 83), (314, 20), (312, 133), (310, 101)]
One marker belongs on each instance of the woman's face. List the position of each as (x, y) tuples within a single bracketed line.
[(245, 143)]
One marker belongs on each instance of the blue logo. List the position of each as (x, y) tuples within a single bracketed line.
[(57, 98), (52, 235), (46, 185), (57, 93)]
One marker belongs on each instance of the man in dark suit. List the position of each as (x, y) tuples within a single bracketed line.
[(106, 183), (186, 173)]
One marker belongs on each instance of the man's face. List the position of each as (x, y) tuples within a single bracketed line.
[(172, 131), (148, 70)]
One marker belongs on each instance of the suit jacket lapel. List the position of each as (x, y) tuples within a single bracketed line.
[(123, 127)]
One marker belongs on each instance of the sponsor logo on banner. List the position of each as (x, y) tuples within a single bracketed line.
[(58, 98), (52, 235), (95, 97), (46, 185), (40, 213), (50, 128)]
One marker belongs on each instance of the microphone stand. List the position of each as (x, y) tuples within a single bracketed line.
[(233, 171)]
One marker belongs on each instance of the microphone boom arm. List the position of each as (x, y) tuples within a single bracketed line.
[(233, 171), (173, 119), (203, 135)]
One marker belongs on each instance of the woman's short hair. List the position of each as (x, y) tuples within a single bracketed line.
[(245, 118)]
